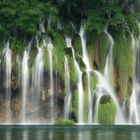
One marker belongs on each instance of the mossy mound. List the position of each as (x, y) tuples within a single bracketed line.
[(64, 121), (107, 113)]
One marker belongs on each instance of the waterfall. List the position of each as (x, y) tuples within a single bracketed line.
[(51, 90), (8, 66), (104, 88), (108, 70), (97, 96), (29, 47), (37, 80), (79, 84), (68, 97), (88, 70), (80, 93), (105, 85), (134, 108), (43, 86), (134, 99), (42, 28), (24, 85)]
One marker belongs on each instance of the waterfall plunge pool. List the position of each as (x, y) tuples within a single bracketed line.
[(76, 132)]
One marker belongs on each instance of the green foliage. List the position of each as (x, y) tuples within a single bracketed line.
[(107, 113), (69, 10), (131, 20), (17, 45), (64, 121), (21, 18), (104, 13)]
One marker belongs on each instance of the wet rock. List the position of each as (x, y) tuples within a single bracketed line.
[(105, 99), (68, 51)]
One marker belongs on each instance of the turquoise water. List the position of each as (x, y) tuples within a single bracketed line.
[(44, 132)]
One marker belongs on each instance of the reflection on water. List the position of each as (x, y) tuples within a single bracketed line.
[(105, 135), (8, 135), (69, 133), (39, 135), (50, 135), (135, 135), (80, 136), (25, 135)]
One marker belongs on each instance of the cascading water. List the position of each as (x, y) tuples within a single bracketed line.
[(134, 99), (68, 97), (42, 28), (8, 66), (29, 46), (108, 70), (134, 109), (105, 86), (88, 71), (37, 79), (51, 91), (37, 101), (79, 84), (24, 85), (80, 93)]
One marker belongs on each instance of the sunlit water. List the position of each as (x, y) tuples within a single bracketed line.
[(96, 132)]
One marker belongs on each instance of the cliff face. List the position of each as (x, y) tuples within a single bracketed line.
[(98, 47)]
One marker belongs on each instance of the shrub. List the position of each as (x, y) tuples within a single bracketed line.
[(64, 121)]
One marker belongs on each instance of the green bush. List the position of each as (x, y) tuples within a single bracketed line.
[(107, 113), (64, 121), (17, 45)]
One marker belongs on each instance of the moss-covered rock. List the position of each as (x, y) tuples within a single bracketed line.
[(123, 64), (107, 113), (101, 48), (64, 121)]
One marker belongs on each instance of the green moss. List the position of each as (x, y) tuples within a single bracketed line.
[(73, 75), (91, 55), (107, 113), (75, 103), (58, 54), (90, 47), (76, 42), (86, 105), (58, 58), (103, 49), (123, 55), (64, 121), (101, 45), (46, 59), (123, 65)]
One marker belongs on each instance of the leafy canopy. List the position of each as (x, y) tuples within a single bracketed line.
[(20, 18)]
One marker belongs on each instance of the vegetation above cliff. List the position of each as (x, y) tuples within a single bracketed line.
[(21, 18)]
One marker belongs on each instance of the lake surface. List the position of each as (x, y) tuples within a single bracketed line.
[(45, 132)]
